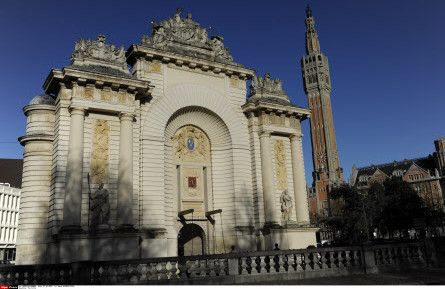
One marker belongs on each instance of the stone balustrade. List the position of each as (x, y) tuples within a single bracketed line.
[(242, 267), (405, 254)]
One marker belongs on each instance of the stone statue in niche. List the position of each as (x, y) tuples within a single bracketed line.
[(286, 206), (99, 208)]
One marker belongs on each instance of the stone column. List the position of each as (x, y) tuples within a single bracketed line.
[(301, 204), (74, 172), (125, 174), (270, 212)]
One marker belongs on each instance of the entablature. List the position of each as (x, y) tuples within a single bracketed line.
[(69, 76), (277, 119), (136, 52), (97, 92), (258, 107)]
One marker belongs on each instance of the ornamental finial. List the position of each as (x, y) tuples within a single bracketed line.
[(308, 11)]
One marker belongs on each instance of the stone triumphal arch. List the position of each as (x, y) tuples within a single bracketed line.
[(167, 148)]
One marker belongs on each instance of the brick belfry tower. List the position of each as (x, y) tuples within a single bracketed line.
[(317, 85)]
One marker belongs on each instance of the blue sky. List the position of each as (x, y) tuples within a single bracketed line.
[(386, 59)]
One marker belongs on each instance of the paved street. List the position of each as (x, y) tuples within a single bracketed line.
[(430, 276)]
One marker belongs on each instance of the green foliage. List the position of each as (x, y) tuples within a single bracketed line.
[(388, 207)]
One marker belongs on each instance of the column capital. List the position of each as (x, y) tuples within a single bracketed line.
[(126, 116), (264, 133), (296, 136), (77, 110)]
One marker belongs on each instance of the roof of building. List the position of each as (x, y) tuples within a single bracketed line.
[(427, 163), (11, 172), (102, 70), (42, 99)]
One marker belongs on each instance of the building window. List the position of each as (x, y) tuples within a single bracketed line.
[(397, 173), (9, 255), (363, 178)]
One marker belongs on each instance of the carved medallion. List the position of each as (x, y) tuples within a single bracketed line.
[(191, 144)]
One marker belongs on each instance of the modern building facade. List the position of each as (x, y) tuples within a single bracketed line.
[(160, 150), (9, 216), (426, 175), (10, 188), (317, 85)]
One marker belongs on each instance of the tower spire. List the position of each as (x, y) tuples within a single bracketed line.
[(308, 11), (317, 85), (312, 43)]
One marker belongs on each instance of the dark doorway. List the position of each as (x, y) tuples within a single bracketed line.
[(191, 240)]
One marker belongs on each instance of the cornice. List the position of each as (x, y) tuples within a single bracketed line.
[(290, 110), (139, 51), (30, 107), (35, 137), (69, 75)]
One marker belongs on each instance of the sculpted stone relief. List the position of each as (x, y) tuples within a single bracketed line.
[(100, 152), (89, 92), (280, 165), (236, 83), (106, 94), (266, 85), (293, 122), (177, 30), (98, 50), (154, 67), (277, 120), (191, 144), (264, 119)]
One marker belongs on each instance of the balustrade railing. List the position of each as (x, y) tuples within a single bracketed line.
[(242, 265), (291, 261), (36, 275), (400, 254), (145, 270)]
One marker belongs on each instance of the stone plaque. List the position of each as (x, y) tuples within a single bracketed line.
[(192, 184)]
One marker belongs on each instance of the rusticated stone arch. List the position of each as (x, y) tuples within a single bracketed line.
[(162, 114), (178, 96), (222, 169)]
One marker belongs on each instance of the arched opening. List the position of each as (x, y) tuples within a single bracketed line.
[(191, 240), (198, 174)]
